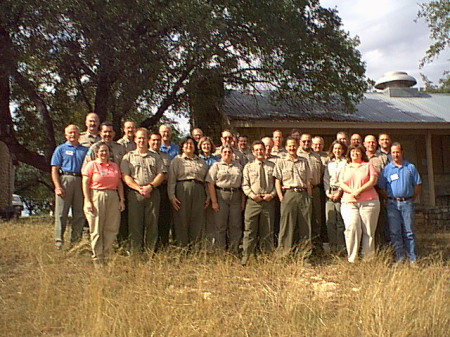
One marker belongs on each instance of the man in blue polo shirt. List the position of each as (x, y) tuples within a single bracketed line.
[(401, 182), (166, 145), (66, 176)]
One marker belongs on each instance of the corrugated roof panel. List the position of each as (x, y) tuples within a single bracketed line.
[(375, 107)]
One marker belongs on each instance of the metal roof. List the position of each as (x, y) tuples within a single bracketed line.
[(377, 107)]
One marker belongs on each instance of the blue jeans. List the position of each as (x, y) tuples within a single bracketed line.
[(401, 217)]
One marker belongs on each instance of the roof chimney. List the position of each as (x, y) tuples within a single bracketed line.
[(397, 84)]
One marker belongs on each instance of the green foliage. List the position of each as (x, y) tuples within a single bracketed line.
[(437, 15), (138, 58), (35, 188), (443, 87)]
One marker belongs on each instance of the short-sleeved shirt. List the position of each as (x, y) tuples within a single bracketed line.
[(399, 181), (225, 175), (69, 158), (293, 172), (315, 164), (143, 168), (104, 176), (211, 159), (251, 184), (171, 150), (281, 153), (184, 168), (86, 139), (355, 177), (116, 152), (379, 161), (332, 171), (128, 144), (237, 155), (247, 156)]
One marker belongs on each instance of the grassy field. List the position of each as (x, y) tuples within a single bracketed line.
[(44, 292)]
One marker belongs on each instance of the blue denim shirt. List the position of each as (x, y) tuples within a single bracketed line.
[(171, 150)]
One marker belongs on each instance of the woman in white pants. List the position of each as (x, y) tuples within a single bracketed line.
[(360, 204)]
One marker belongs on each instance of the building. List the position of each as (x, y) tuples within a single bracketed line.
[(420, 121)]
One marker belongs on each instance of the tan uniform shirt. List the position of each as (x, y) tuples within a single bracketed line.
[(273, 158), (116, 153), (143, 168), (185, 168), (237, 155), (379, 161), (128, 144), (281, 153), (225, 175), (248, 156), (324, 157), (87, 139), (293, 173), (315, 164), (251, 184)]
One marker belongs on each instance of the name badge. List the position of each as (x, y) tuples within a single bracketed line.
[(394, 177), (103, 172), (69, 153)]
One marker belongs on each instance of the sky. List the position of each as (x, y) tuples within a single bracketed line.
[(390, 38)]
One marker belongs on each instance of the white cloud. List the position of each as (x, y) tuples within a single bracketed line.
[(390, 38)]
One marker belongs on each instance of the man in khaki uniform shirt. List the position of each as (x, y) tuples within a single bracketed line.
[(294, 178), (278, 149), (227, 139), (316, 166), (165, 214), (127, 141), (243, 149), (379, 160), (317, 146), (143, 171), (259, 186), (107, 134), (91, 135)]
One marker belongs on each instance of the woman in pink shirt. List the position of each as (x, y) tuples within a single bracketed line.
[(360, 205), (103, 201)]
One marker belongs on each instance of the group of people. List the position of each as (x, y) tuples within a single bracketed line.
[(284, 197)]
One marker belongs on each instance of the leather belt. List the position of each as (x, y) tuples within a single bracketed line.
[(400, 199), (230, 189), (74, 174), (296, 189), (191, 181)]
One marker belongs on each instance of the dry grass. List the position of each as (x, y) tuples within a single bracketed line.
[(45, 292)]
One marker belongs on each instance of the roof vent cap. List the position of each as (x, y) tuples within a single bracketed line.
[(395, 79)]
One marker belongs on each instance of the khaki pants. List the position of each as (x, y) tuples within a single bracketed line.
[(295, 223), (189, 220), (104, 222), (228, 220), (259, 223), (360, 219), (143, 220), (73, 199)]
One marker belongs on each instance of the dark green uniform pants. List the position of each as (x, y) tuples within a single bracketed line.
[(259, 223), (143, 220), (189, 220), (295, 224)]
